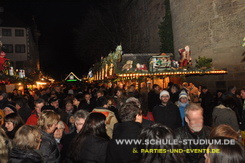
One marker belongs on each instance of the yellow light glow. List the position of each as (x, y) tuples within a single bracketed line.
[(41, 83)]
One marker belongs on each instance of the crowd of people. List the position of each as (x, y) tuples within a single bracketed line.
[(92, 123)]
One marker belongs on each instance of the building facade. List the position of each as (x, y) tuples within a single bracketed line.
[(20, 47)]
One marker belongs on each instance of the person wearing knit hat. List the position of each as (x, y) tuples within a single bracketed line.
[(9, 109), (167, 113), (182, 104), (164, 97), (164, 93), (183, 94)]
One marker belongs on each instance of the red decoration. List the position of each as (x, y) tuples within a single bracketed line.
[(2, 60)]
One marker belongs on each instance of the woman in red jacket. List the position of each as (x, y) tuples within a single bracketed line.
[(32, 120)]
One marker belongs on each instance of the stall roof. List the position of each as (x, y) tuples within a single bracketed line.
[(71, 76)]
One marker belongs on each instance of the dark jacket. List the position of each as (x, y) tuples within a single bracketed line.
[(168, 115), (49, 148), (153, 100), (207, 105), (66, 141), (174, 97), (84, 105), (24, 156), (24, 113), (11, 134), (185, 133), (146, 123), (93, 150), (135, 94), (122, 153), (3, 103), (225, 115)]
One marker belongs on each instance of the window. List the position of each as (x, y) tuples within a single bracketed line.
[(19, 32), (8, 48), (6, 32), (20, 48)]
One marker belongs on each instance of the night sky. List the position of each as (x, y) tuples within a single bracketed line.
[(74, 34)]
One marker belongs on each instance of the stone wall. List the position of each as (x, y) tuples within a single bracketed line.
[(215, 29), (212, 28)]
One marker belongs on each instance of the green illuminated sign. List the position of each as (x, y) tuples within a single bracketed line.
[(71, 80)]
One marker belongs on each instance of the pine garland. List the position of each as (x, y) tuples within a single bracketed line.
[(166, 31)]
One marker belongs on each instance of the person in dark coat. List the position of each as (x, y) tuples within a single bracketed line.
[(218, 98), (195, 130), (130, 128), (174, 92), (206, 99), (22, 107), (88, 103), (145, 122), (91, 143), (26, 144), (47, 122), (80, 117), (238, 108), (167, 113), (55, 103), (153, 97), (77, 102), (3, 99), (132, 92)]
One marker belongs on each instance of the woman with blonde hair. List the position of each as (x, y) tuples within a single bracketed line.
[(26, 143), (47, 122), (5, 146)]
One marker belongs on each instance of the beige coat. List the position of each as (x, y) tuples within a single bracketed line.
[(110, 119)]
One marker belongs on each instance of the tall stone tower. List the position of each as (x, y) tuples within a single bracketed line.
[(215, 29)]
